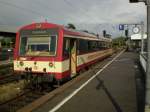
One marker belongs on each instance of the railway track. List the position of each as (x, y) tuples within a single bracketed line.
[(6, 74), (9, 79), (25, 97), (6, 70)]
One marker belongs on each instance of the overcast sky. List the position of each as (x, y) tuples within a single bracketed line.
[(92, 15)]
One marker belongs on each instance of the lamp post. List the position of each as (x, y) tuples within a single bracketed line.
[(142, 37)]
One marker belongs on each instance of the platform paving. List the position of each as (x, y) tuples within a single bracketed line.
[(113, 90)]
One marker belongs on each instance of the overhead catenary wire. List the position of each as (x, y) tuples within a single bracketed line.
[(68, 4), (99, 24), (40, 14), (33, 11), (84, 12), (55, 10), (81, 10), (18, 7), (28, 10)]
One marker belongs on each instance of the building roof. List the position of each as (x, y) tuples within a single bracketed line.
[(10, 29), (138, 36)]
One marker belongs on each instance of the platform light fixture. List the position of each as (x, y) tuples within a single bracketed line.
[(135, 1)]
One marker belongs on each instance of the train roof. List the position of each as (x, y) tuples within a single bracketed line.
[(83, 35), (67, 32)]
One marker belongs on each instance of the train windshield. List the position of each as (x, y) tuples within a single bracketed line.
[(38, 45)]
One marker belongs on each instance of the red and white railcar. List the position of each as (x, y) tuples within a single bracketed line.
[(51, 50)]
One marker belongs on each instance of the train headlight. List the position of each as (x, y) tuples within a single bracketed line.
[(21, 63), (35, 63), (26, 68), (44, 69), (51, 64), (30, 69)]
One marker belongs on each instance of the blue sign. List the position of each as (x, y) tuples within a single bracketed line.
[(121, 27)]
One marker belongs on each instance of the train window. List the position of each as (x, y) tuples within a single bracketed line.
[(89, 46), (92, 45), (38, 45), (95, 45), (82, 46), (53, 45), (104, 45), (23, 44), (66, 47), (100, 45)]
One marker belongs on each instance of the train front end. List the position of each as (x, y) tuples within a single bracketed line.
[(37, 50)]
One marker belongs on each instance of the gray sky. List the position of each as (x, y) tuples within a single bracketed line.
[(92, 15)]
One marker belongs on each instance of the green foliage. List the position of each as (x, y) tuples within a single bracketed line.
[(71, 26), (119, 41), (86, 31), (5, 42)]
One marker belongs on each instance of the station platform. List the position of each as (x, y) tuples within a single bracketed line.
[(113, 90)]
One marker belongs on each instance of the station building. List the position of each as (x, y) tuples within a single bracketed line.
[(7, 36)]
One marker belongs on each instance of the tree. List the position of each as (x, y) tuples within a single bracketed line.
[(119, 41), (71, 26), (86, 31)]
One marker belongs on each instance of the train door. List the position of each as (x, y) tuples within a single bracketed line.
[(73, 56)]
